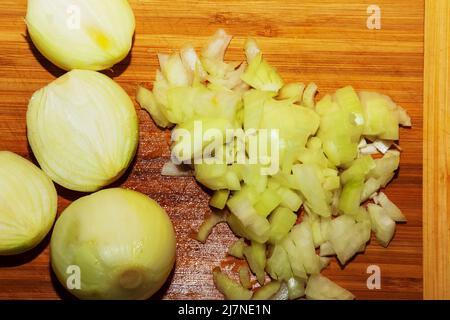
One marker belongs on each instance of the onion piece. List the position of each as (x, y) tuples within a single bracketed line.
[(383, 145), (296, 288), (251, 49), (268, 291), (256, 258), (237, 249), (244, 277), (362, 143), (230, 288), (391, 209), (324, 262), (309, 95), (283, 293), (208, 224), (292, 91), (326, 249), (217, 45), (368, 149), (219, 199), (322, 288), (177, 170), (382, 224)]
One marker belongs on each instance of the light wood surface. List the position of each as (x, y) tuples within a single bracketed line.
[(325, 41), (436, 157)]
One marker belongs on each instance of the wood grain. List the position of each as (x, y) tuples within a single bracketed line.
[(436, 158), (325, 41)]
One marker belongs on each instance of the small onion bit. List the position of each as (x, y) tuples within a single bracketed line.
[(177, 170)]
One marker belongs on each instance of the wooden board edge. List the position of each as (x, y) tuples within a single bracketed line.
[(436, 151)]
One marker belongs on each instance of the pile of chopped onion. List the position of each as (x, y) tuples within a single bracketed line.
[(319, 203)]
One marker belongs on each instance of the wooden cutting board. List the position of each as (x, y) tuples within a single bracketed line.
[(325, 41)]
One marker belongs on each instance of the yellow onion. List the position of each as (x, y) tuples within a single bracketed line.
[(81, 34), (83, 130), (28, 204), (113, 244)]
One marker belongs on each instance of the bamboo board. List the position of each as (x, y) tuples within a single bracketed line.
[(324, 41), (436, 157)]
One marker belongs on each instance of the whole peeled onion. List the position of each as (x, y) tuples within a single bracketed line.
[(120, 243), (83, 130), (81, 34), (28, 204)]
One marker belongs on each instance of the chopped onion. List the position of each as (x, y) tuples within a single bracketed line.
[(382, 145), (391, 209), (368, 149), (324, 165)]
